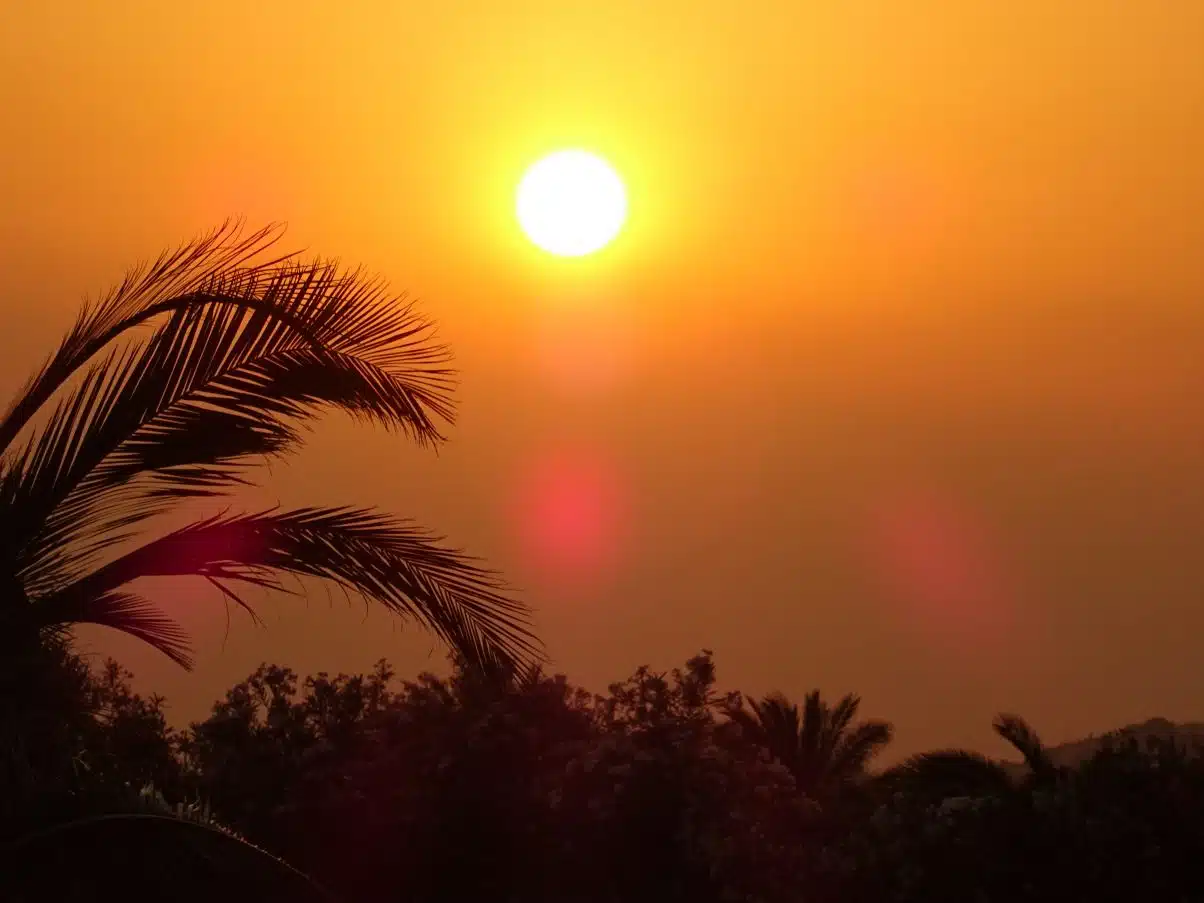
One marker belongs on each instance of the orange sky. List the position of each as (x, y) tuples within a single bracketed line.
[(891, 385)]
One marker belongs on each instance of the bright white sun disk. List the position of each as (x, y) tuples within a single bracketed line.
[(571, 203)]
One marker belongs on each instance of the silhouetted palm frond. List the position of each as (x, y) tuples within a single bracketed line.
[(371, 554), (144, 856), (239, 356), (948, 773), (841, 715), (748, 722), (243, 356), (854, 747), (1016, 731), (813, 726), (778, 717)]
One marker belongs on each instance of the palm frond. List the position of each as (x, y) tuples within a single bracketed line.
[(244, 356), (948, 772), (777, 714), (951, 759), (749, 724), (841, 715), (1018, 732), (771, 723), (854, 748), (813, 726), (144, 854), (368, 553), (174, 274), (141, 618)]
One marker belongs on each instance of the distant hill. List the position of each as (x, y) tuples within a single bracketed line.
[(1076, 751)]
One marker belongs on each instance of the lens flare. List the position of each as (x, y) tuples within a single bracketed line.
[(940, 567), (570, 514)]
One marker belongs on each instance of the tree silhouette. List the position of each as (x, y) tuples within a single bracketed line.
[(820, 745), (931, 777), (171, 388)]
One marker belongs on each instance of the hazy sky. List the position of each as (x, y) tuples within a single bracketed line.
[(892, 385)]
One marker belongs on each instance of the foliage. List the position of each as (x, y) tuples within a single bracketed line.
[(80, 740), (143, 857), (667, 803), (821, 745), (518, 785), (169, 389)]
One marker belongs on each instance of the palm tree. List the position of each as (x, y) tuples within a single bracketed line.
[(170, 389), (932, 777), (939, 775), (821, 745)]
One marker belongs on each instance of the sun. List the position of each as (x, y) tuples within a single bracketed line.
[(571, 203)]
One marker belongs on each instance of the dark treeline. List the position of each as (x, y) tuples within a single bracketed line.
[(521, 786)]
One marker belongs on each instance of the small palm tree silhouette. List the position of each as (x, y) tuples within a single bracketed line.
[(820, 744)]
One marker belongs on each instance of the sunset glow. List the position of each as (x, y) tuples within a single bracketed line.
[(861, 342)]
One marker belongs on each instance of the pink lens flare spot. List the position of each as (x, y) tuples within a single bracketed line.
[(570, 510), (201, 550), (942, 567)]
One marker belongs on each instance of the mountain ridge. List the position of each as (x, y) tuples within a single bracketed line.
[(1074, 752)]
